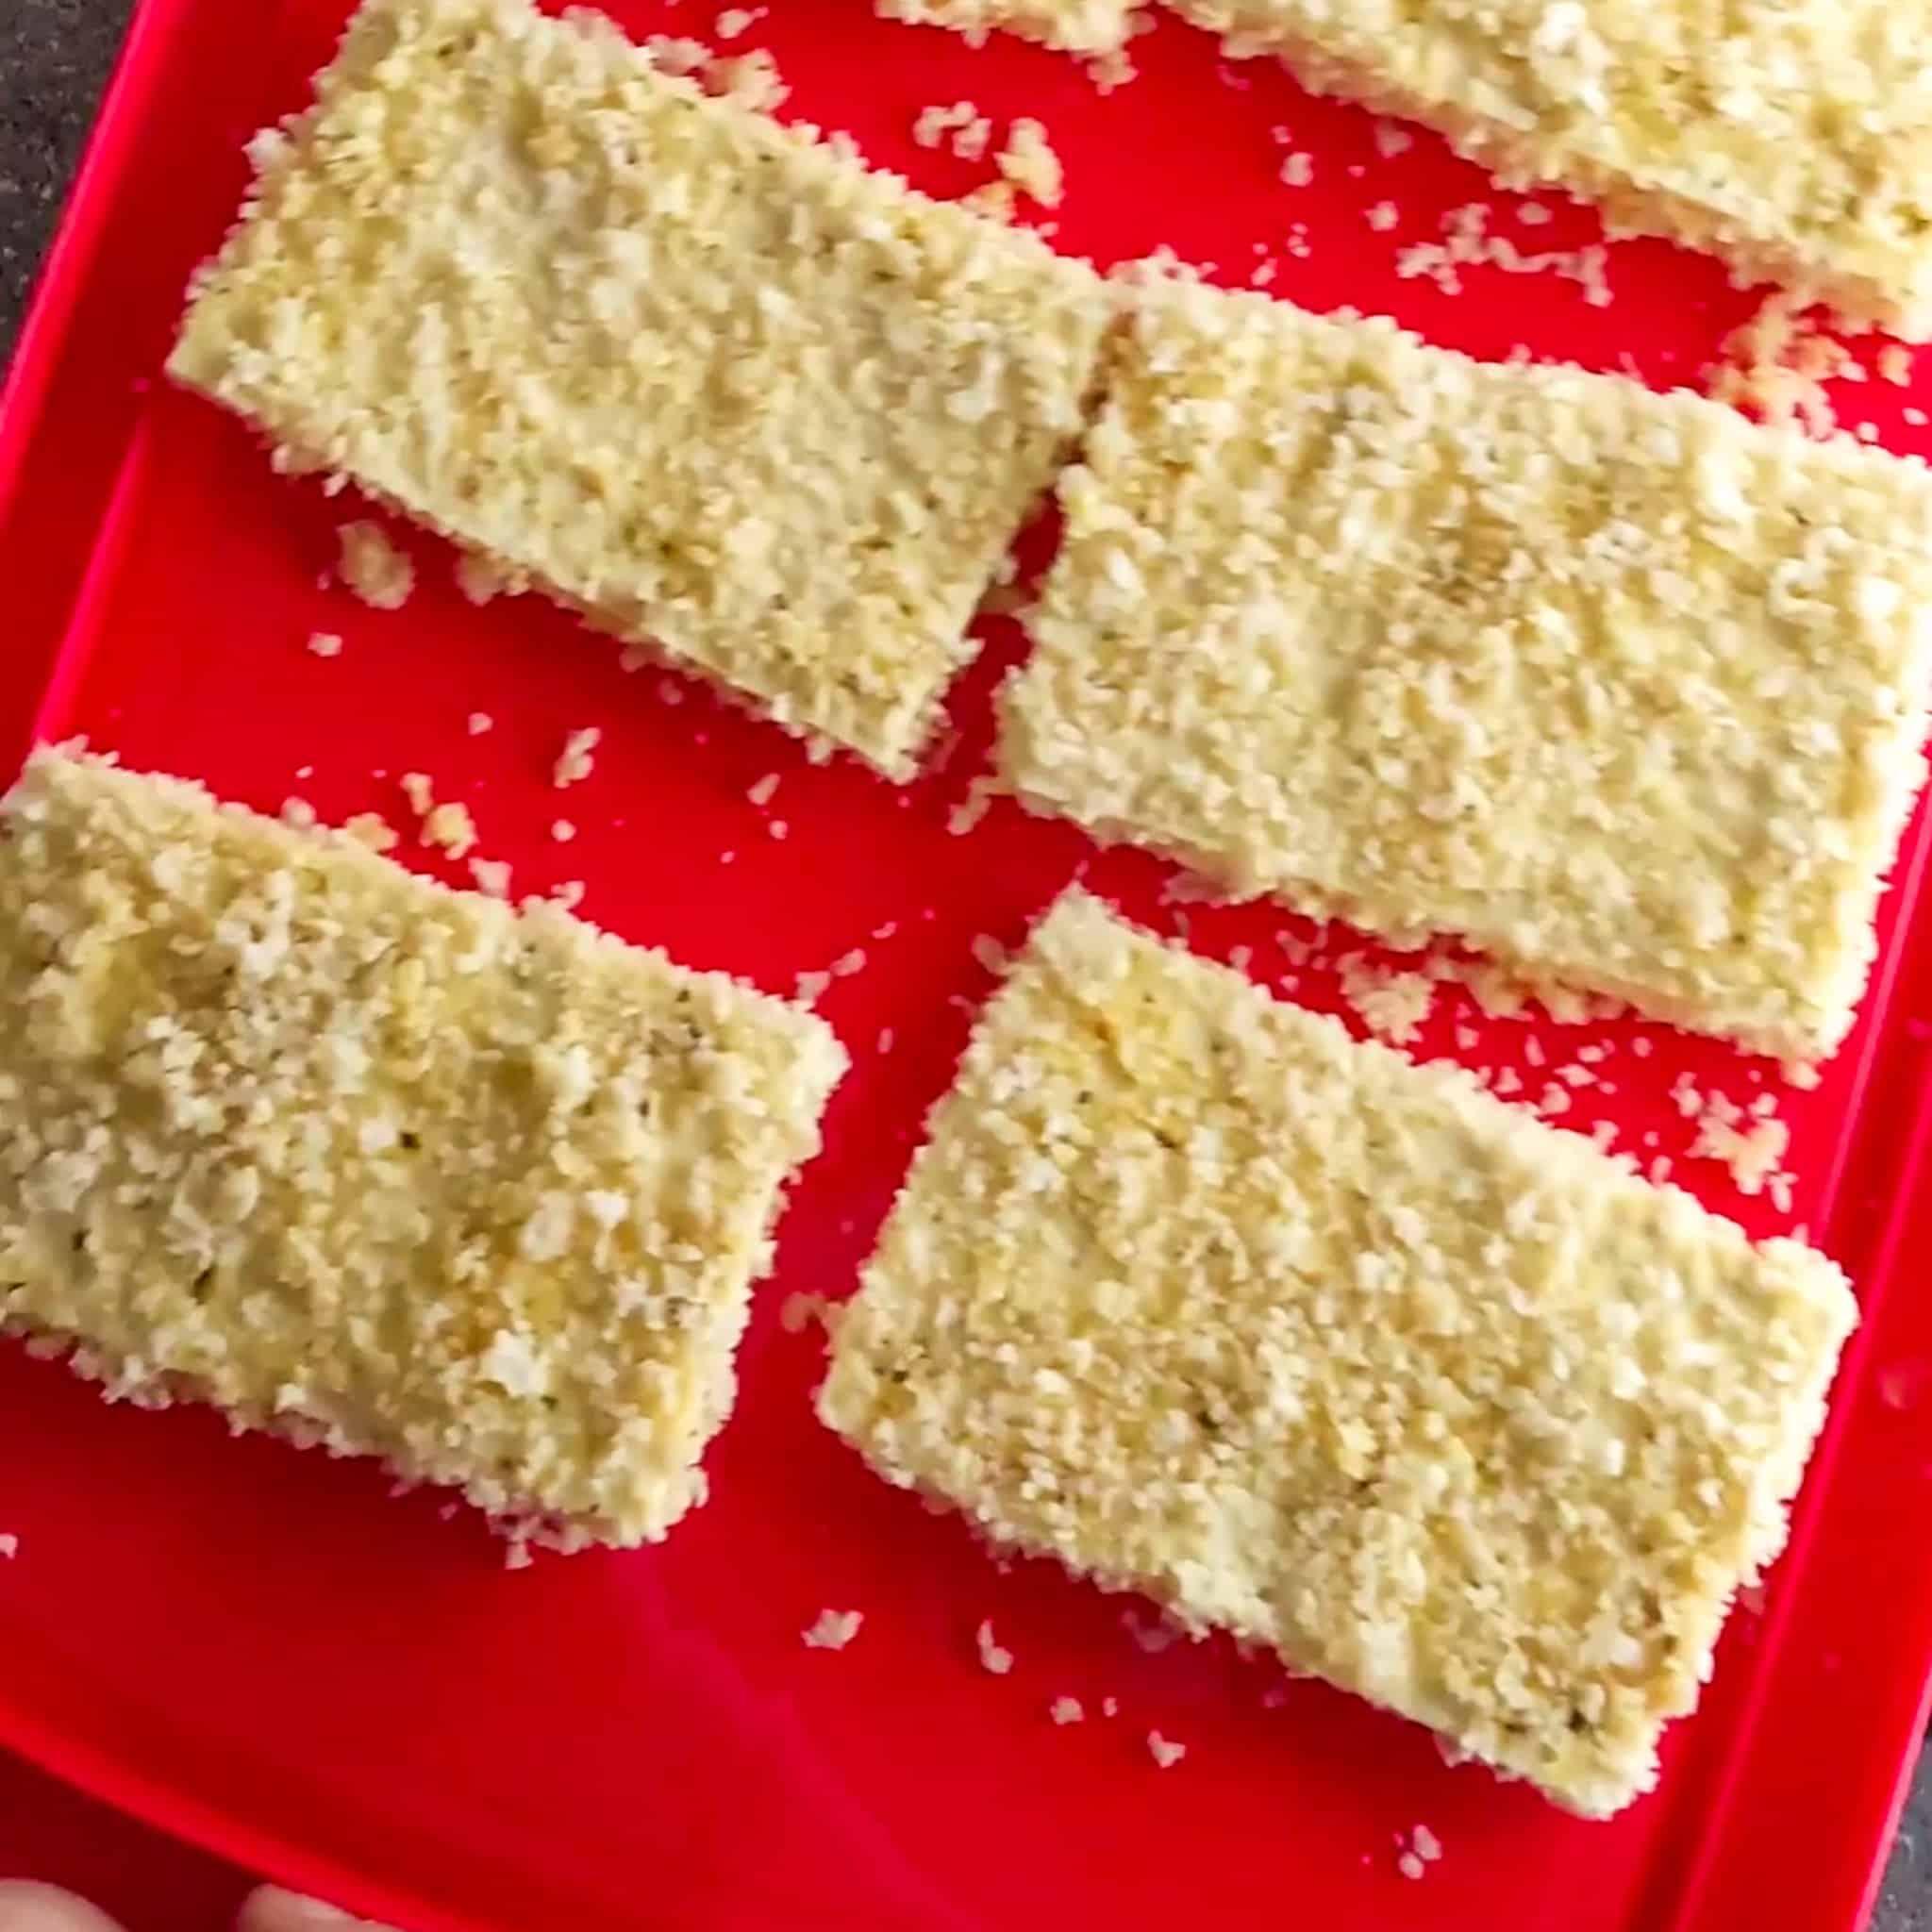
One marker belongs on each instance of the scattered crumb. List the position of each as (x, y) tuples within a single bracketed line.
[(450, 827), (10, 1548), (326, 643), (994, 1656), (1391, 1004), (481, 578), (1915, 416), (299, 813), (1384, 216), (778, 828), (1776, 364), (1392, 140), (798, 1311), (833, 1630), (1109, 1707), (809, 988), (750, 80), (370, 566), (990, 953), (736, 21), (1409, 1865), (1063, 1710), (574, 762), (677, 54), (1555, 1101), (1466, 243), (961, 129), (848, 964), (1164, 1751), (1895, 363), (479, 723), (993, 199), (491, 877), (569, 894), (1109, 70), (1752, 1155), (1030, 162), (562, 831), (761, 793), (368, 828), (973, 807), (418, 789), (1154, 1636), (1297, 170)]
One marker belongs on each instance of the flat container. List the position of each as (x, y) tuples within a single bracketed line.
[(265, 1651)]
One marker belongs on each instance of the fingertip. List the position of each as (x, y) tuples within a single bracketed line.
[(28, 1907), (268, 1908)]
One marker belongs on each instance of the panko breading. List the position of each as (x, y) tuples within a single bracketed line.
[(696, 373), (1624, 688), (1793, 137), (1195, 1292), (378, 1164)]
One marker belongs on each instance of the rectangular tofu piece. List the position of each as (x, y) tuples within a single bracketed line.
[(372, 1162), (1195, 1293), (1793, 141), (1076, 27), (701, 375), (1622, 688)]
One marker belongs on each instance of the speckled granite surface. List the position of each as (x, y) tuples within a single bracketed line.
[(53, 57)]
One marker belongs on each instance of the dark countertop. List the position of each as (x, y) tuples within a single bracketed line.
[(54, 59)]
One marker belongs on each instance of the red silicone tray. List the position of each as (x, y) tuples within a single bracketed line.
[(262, 1650)]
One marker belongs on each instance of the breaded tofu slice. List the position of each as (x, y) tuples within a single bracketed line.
[(1192, 1291), (1624, 688), (1792, 137), (701, 375), (1077, 26), (379, 1164)]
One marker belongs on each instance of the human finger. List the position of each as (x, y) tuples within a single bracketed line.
[(27, 1906), (268, 1908)]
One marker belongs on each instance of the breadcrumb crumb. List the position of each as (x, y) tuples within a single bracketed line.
[(371, 829), (1066, 1710), (1392, 1005), (450, 827), (575, 761), (994, 1656), (370, 566), (326, 643), (479, 723), (1030, 162), (1165, 1752), (833, 1630)]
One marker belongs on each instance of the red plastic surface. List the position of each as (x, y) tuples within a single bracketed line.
[(261, 1650)]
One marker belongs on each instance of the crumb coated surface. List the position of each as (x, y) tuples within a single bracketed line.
[(703, 376), (1792, 135), (376, 1163), (1191, 1290), (1620, 686)]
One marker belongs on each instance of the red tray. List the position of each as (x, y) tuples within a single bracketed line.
[(261, 1650)]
